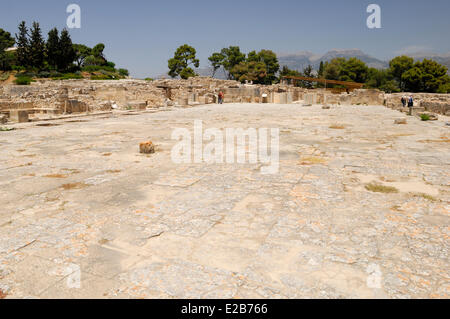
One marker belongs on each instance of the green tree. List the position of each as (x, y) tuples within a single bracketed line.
[(179, 65), (354, 70), (53, 48), (434, 75), (285, 71), (97, 51), (378, 78), (92, 57), (444, 88), (67, 52), (233, 56), (36, 47), (216, 60), (307, 72), (6, 41), (270, 60), (81, 53), (123, 72), (250, 71), (390, 86), (412, 79), (332, 69), (23, 45), (321, 70), (398, 66), (426, 76)]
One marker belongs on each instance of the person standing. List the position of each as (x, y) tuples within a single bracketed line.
[(410, 104), (221, 96), (404, 101)]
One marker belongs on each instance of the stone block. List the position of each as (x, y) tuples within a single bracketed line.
[(137, 105), (280, 98), (147, 148), (18, 116), (401, 121), (183, 101), (416, 110)]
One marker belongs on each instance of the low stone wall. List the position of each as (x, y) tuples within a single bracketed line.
[(431, 102)]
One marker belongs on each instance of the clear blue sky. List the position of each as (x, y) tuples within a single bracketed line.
[(142, 34)]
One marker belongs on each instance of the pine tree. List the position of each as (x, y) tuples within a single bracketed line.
[(67, 52), (23, 45), (37, 47), (321, 69), (53, 48)]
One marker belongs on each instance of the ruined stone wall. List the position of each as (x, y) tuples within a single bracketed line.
[(431, 102), (74, 96)]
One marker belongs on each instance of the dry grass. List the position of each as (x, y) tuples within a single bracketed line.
[(396, 208), (443, 139), (425, 196), (377, 188), (337, 127), (103, 241), (113, 171), (106, 154), (312, 160), (74, 186)]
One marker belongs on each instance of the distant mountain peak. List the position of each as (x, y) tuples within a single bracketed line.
[(300, 60)]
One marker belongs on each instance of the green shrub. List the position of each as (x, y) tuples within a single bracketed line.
[(6, 129), (103, 77), (68, 76), (28, 74), (23, 80), (44, 74), (148, 79), (425, 117), (91, 68), (123, 72), (4, 76)]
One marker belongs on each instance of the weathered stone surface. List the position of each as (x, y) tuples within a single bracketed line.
[(144, 227)]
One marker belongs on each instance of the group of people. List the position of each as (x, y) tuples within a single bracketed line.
[(407, 101)]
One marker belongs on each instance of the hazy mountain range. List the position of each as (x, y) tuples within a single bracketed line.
[(300, 60)]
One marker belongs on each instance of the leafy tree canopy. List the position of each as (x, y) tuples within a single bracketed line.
[(179, 65)]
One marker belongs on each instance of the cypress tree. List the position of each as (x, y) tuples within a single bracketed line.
[(37, 47), (23, 46), (321, 69), (67, 52), (53, 48)]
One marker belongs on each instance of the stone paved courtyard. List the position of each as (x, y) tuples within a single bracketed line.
[(78, 198)]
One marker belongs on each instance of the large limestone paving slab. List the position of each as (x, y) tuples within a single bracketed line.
[(78, 195)]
